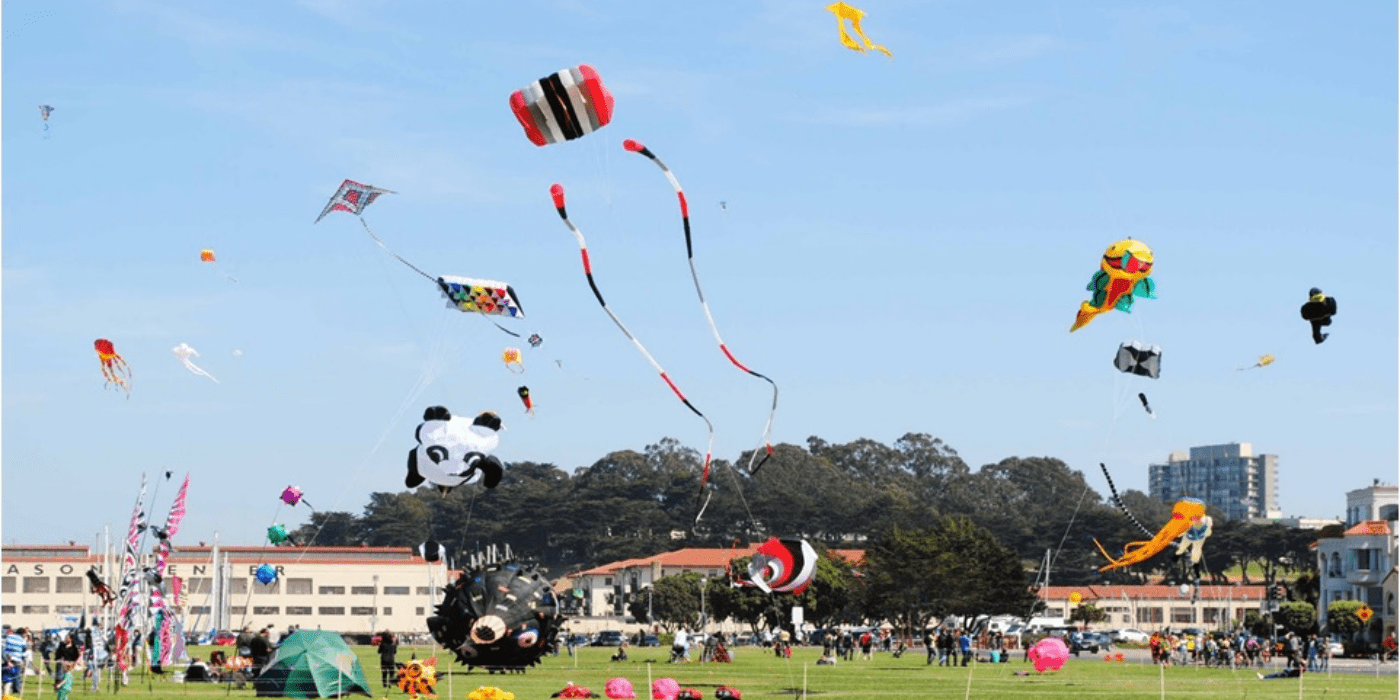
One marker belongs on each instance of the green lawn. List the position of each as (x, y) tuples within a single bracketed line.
[(758, 674)]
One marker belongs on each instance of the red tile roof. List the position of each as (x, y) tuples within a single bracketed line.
[(1369, 527)]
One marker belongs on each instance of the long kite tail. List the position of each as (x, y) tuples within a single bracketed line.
[(557, 192), (1119, 501), (637, 147)]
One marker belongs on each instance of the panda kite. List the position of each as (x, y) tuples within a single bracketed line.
[(453, 451)]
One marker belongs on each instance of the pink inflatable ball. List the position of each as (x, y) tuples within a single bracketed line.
[(665, 689), (620, 689), (1049, 654)]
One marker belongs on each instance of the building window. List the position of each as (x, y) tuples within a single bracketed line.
[(298, 586), (36, 584), (68, 584), (68, 609), (265, 610), (1211, 616), (396, 590), (362, 590), (1149, 616), (362, 611), (388, 611), (416, 611), (35, 609), (7, 584), (1335, 571), (298, 609), (266, 588), (423, 590), (195, 586), (1183, 614), (330, 611), (238, 586), (607, 581), (1363, 559), (199, 609), (331, 590), (10, 609), (238, 610)]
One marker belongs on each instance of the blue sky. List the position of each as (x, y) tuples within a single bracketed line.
[(902, 247)]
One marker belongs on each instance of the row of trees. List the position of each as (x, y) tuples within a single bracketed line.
[(638, 503)]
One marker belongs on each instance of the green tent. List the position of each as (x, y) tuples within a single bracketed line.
[(312, 664)]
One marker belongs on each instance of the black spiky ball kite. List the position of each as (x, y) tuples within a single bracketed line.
[(501, 615)]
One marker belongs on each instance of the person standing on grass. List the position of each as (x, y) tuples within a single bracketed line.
[(388, 665), (64, 685)]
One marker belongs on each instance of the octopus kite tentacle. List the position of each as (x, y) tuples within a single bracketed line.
[(557, 192), (637, 147), (1119, 502)]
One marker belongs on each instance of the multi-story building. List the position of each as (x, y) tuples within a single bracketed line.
[(1229, 477), (347, 589), (1361, 563)]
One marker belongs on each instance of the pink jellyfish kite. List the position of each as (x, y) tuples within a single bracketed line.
[(1049, 654)]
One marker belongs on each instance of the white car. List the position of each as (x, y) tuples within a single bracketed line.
[(1334, 648), (1129, 635)]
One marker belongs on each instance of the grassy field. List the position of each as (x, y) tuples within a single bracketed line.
[(758, 674)]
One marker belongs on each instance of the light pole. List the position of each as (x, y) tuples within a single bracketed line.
[(703, 581)]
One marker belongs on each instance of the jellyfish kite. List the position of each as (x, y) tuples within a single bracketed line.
[(846, 13), (1319, 311), (563, 106), (114, 368), (1124, 274), (183, 352)]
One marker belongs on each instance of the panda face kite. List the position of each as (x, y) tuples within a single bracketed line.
[(453, 451)]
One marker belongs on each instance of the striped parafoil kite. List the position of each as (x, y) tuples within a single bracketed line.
[(563, 106), (1124, 273)]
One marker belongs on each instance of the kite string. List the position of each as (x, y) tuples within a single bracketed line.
[(380, 243), (637, 147), (557, 192)]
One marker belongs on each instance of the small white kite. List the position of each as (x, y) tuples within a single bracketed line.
[(184, 352)]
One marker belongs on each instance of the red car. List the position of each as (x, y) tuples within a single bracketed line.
[(225, 639)]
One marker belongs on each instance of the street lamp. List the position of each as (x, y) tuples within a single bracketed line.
[(703, 581)]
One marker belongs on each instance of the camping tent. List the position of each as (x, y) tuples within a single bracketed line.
[(312, 664)]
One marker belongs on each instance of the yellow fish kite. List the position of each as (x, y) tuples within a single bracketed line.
[(845, 12)]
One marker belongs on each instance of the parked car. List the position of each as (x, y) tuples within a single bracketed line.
[(579, 640), (1083, 641), (651, 640), (1335, 648), (225, 638), (608, 638), (1129, 635)]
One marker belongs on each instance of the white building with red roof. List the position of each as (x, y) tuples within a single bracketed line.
[(1361, 564)]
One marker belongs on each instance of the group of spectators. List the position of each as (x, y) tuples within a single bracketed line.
[(60, 653)]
